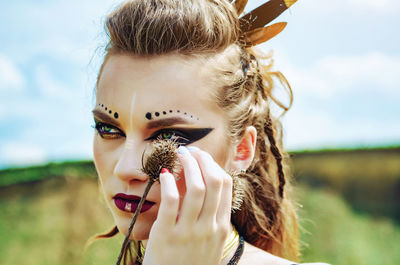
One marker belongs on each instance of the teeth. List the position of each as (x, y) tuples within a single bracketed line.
[(128, 206)]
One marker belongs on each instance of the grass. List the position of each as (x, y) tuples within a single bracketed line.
[(334, 233), (49, 223), (355, 174), (77, 169), (350, 211)]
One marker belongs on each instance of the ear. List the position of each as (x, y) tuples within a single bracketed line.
[(244, 150)]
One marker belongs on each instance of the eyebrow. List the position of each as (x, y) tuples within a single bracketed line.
[(166, 122), (105, 118), (151, 125)]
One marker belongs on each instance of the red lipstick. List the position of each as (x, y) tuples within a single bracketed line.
[(129, 203)]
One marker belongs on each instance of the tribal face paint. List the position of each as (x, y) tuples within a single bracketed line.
[(157, 114), (116, 115), (183, 136)]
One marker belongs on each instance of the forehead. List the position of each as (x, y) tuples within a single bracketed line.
[(156, 83), (149, 77)]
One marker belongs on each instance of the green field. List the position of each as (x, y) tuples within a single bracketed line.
[(47, 213)]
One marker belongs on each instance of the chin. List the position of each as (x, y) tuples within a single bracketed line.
[(142, 227)]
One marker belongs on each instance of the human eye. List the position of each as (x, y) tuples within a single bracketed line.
[(182, 136), (107, 131)]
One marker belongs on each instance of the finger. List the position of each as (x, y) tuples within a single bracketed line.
[(169, 200), (225, 205), (213, 178), (195, 188)]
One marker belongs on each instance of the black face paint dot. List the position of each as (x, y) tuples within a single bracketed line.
[(148, 115), (170, 111), (116, 115), (164, 112), (157, 114), (197, 118), (106, 108), (110, 112), (102, 105), (191, 116), (178, 111), (185, 113)]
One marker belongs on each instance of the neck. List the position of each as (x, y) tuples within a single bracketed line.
[(228, 257)]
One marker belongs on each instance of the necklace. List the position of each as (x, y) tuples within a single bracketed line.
[(229, 244)]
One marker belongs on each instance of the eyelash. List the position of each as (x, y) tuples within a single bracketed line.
[(106, 134), (164, 134), (175, 135)]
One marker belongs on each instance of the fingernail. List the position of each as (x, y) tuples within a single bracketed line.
[(193, 148), (183, 150), (164, 170)]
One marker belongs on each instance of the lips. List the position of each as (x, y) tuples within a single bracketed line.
[(129, 203)]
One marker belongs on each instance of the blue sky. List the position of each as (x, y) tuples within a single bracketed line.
[(341, 57)]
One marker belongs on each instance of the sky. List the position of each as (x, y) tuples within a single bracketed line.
[(342, 59)]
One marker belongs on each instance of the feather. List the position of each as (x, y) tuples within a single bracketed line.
[(260, 35), (240, 5), (289, 3), (264, 14)]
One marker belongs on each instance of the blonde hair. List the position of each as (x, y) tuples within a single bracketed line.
[(207, 28)]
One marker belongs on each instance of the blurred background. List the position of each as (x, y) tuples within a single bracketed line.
[(342, 59)]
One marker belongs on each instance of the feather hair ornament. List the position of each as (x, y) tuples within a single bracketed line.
[(252, 25)]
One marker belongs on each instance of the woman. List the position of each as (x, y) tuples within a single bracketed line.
[(184, 70)]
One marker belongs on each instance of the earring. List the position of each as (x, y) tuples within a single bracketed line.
[(237, 192)]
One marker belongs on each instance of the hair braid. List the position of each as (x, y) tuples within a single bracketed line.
[(247, 60), (275, 151), (264, 204)]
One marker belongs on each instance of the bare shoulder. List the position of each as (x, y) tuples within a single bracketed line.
[(255, 256)]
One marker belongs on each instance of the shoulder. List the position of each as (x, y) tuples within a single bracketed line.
[(255, 256)]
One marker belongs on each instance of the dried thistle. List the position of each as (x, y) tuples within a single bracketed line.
[(161, 154)]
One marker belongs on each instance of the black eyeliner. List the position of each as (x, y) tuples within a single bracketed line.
[(183, 136), (99, 124)]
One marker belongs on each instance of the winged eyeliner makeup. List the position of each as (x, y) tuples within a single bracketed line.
[(182, 136)]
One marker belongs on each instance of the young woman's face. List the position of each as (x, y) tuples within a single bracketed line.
[(139, 100)]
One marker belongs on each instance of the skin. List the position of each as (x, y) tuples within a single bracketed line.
[(190, 219)]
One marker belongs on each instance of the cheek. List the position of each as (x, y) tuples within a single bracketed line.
[(219, 148), (104, 158)]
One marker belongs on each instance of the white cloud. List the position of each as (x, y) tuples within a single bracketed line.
[(342, 7), (339, 7), (49, 86), (11, 79), (386, 6), (378, 69), (18, 153), (323, 114), (337, 74)]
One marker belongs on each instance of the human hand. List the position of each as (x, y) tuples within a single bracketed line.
[(196, 234)]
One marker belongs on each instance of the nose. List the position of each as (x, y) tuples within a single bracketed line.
[(128, 167)]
